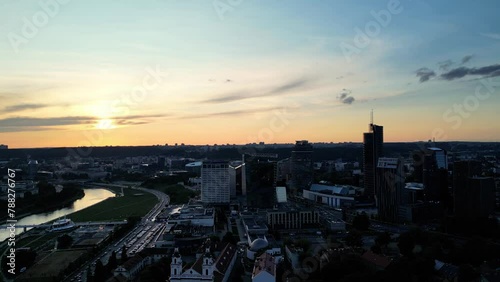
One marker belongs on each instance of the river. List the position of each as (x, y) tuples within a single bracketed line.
[(92, 197)]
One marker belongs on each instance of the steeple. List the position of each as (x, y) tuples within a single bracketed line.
[(176, 265)]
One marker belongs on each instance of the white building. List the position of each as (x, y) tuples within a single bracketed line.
[(215, 182), (206, 268)]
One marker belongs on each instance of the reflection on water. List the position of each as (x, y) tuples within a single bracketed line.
[(92, 197)]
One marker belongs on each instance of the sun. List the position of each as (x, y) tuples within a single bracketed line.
[(104, 124)]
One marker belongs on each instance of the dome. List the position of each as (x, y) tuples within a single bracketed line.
[(258, 244)]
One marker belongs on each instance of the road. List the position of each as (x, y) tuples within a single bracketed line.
[(136, 240)]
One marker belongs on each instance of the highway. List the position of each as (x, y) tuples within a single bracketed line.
[(136, 240)]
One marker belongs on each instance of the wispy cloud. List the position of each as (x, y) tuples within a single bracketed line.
[(345, 97), (294, 85), (424, 74), (31, 123), (466, 59), (492, 35), (231, 113), (22, 107), (488, 71)]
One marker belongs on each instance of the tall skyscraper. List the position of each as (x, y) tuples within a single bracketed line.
[(431, 169), (373, 142), (260, 180), (215, 182), (473, 195), (236, 178), (389, 186), (301, 166)]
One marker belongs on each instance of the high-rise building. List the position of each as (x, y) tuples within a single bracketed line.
[(215, 182), (236, 178), (301, 166), (431, 169), (373, 142), (260, 180), (473, 195), (32, 169), (3, 147), (389, 186), (161, 163)]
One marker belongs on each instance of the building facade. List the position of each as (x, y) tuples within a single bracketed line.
[(292, 219), (301, 165), (215, 182), (389, 186), (373, 142)]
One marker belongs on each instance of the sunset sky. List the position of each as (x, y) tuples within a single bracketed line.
[(203, 72)]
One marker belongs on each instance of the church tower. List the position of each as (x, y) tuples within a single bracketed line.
[(176, 265), (208, 265)]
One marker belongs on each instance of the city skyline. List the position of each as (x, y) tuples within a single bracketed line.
[(237, 72)]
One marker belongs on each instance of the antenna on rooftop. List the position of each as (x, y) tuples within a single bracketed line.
[(371, 117)]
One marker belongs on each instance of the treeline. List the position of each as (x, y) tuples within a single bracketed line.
[(47, 199)]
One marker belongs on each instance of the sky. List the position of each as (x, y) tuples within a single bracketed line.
[(96, 73)]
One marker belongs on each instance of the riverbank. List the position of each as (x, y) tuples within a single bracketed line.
[(23, 207), (133, 203)]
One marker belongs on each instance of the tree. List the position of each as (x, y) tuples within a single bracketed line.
[(383, 239), (45, 188), (354, 239), (361, 221), (406, 244)]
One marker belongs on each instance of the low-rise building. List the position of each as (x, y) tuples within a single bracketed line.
[(264, 269), (208, 267)]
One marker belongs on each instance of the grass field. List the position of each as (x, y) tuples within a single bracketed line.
[(177, 193), (134, 203)]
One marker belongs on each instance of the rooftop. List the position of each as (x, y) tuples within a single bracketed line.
[(264, 262)]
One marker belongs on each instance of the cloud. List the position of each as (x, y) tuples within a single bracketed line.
[(488, 71), (296, 84), (349, 100), (492, 35), (445, 65), (31, 123), (345, 97), (53, 121), (231, 113), (425, 74), (466, 59), (22, 107)]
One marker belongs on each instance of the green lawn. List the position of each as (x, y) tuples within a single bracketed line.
[(134, 203), (177, 193)]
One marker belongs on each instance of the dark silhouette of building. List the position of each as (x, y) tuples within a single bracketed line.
[(236, 178), (373, 142), (431, 169), (301, 166), (474, 196), (260, 173), (389, 186), (161, 163)]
